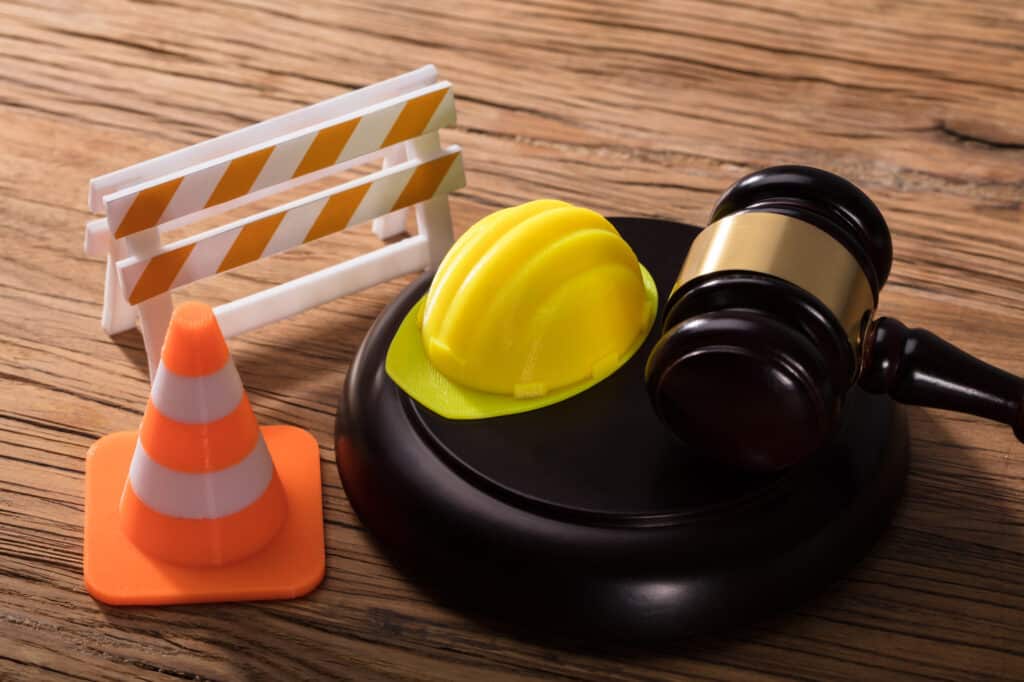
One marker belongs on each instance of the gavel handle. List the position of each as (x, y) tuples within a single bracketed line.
[(916, 367)]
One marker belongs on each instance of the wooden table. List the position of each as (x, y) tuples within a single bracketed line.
[(646, 111)]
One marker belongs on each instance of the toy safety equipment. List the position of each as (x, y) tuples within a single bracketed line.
[(533, 304), (395, 122), (201, 504)]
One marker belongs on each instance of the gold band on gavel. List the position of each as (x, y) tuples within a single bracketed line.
[(792, 250)]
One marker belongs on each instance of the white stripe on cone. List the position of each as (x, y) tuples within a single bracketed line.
[(197, 400), (201, 496)]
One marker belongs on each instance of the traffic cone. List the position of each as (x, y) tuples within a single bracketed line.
[(201, 504)]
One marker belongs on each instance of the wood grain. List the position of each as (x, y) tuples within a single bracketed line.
[(635, 109)]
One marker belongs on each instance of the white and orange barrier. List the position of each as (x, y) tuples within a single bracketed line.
[(201, 504), (395, 121)]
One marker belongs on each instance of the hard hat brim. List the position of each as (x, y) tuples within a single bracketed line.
[(408, 366)]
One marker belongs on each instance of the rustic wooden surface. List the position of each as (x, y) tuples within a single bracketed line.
[(651, 110)]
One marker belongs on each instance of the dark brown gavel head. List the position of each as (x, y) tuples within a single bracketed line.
[(770, 325)]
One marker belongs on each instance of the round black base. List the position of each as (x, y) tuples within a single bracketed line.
[(588, 518)]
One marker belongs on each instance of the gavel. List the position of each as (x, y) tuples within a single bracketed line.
[(771, 323)]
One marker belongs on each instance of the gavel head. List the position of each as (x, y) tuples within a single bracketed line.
[(762, 333)]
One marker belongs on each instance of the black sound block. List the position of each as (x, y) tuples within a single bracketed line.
[(588, 518)]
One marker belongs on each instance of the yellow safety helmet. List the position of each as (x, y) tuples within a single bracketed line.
[(533, 304)]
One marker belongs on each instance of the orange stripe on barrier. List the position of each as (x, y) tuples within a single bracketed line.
[(239, 176), (194, 345), (199, 448), (414, 118), (250, 242), (147, 207), (326, 147), (204, 542), (337, 212), (424, 181), (159, 274)]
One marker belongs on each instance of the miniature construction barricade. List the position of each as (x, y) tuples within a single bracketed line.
[(394, 123)]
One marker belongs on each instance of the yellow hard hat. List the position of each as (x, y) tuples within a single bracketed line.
[(533, 304)]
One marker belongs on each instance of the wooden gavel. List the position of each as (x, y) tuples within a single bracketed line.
[(771, 323)]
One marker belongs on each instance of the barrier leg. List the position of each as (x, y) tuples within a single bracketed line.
[(154, 314), (155, 318), (433, 217), (392, 224), (118, 314)]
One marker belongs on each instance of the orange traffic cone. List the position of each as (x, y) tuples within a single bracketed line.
[(201, 504)]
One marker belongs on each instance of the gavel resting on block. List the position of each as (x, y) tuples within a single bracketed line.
[(771, 323)]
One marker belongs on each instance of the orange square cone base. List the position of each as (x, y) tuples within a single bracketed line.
[(117, 572)]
